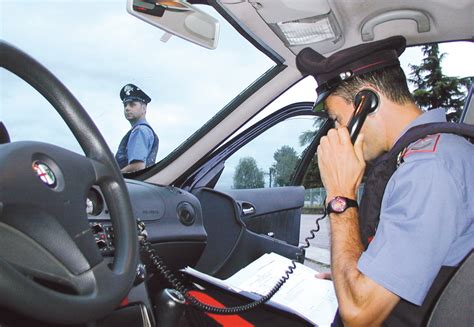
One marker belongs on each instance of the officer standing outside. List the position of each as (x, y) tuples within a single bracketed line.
[(426, 211), (139, 147)]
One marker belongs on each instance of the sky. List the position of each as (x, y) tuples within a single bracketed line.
[(96, 47)]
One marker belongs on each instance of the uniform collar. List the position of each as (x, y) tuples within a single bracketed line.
[(431, 116), (140, 121)]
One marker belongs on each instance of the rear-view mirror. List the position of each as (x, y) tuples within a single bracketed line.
[(178, 18)]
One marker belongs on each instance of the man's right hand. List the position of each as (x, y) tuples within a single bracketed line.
[(341, 164)]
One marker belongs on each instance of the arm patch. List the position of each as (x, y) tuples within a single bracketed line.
[(425, 145)]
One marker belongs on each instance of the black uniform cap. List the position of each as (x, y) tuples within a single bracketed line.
[(131, 92), (331, 71)]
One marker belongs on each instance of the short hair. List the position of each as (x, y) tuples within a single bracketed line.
[(390, 81)]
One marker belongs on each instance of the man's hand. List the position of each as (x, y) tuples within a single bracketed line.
[(324, 275), (133, 166), (341, 164)]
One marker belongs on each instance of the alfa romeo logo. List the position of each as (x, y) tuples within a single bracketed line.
[(45, 174)]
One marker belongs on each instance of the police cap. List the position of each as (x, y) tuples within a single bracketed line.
[(131, 92), (364, 58)]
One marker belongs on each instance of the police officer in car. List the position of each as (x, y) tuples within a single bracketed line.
[(139, 147), (393, 252)]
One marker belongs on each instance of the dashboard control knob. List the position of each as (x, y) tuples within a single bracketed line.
[(101, 244), (186, 213)]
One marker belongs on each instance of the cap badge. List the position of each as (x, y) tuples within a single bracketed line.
[(127, 89)]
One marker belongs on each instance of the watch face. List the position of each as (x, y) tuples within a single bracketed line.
[(338, 204)]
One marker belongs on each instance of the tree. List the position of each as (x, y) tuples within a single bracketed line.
[(433, 89), (307, 136), (248, 175), (286, 159), (312, 178)]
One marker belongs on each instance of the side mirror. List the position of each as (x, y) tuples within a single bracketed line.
[(178, 18)]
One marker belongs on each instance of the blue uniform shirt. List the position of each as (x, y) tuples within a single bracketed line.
[(139, 144), (427, 214)]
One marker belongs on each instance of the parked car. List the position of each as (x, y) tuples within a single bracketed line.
[(68, 218)]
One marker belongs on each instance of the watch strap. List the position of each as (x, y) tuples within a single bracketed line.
[(343, 204)]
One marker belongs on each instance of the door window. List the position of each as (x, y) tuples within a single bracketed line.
[(270, 159)]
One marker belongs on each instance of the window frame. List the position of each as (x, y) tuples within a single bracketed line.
[(207, 173)]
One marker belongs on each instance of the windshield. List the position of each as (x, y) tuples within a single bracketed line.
[(95, 48)]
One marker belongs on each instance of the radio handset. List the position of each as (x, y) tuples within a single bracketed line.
[(365, 103)]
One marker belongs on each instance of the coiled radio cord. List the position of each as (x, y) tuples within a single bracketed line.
[(181, 288)]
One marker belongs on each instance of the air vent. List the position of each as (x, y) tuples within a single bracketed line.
[(186, 213)]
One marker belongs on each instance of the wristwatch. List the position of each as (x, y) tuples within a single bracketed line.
[(339, 204)]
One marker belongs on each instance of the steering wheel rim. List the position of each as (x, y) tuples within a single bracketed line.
[(99, 287)]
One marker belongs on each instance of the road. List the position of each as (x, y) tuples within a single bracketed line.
[(308, 222), (317, 255)]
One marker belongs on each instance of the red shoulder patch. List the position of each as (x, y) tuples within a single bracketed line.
[(426, 145)]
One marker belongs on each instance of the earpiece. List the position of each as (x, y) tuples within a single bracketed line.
[(369, 97), (365, 102)]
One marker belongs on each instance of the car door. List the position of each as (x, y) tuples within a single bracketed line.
[(272, 204)]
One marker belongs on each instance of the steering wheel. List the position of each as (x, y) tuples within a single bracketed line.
[(50, 266)]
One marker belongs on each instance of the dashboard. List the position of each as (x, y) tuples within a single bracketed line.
[(174, 226), (170, 214)]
